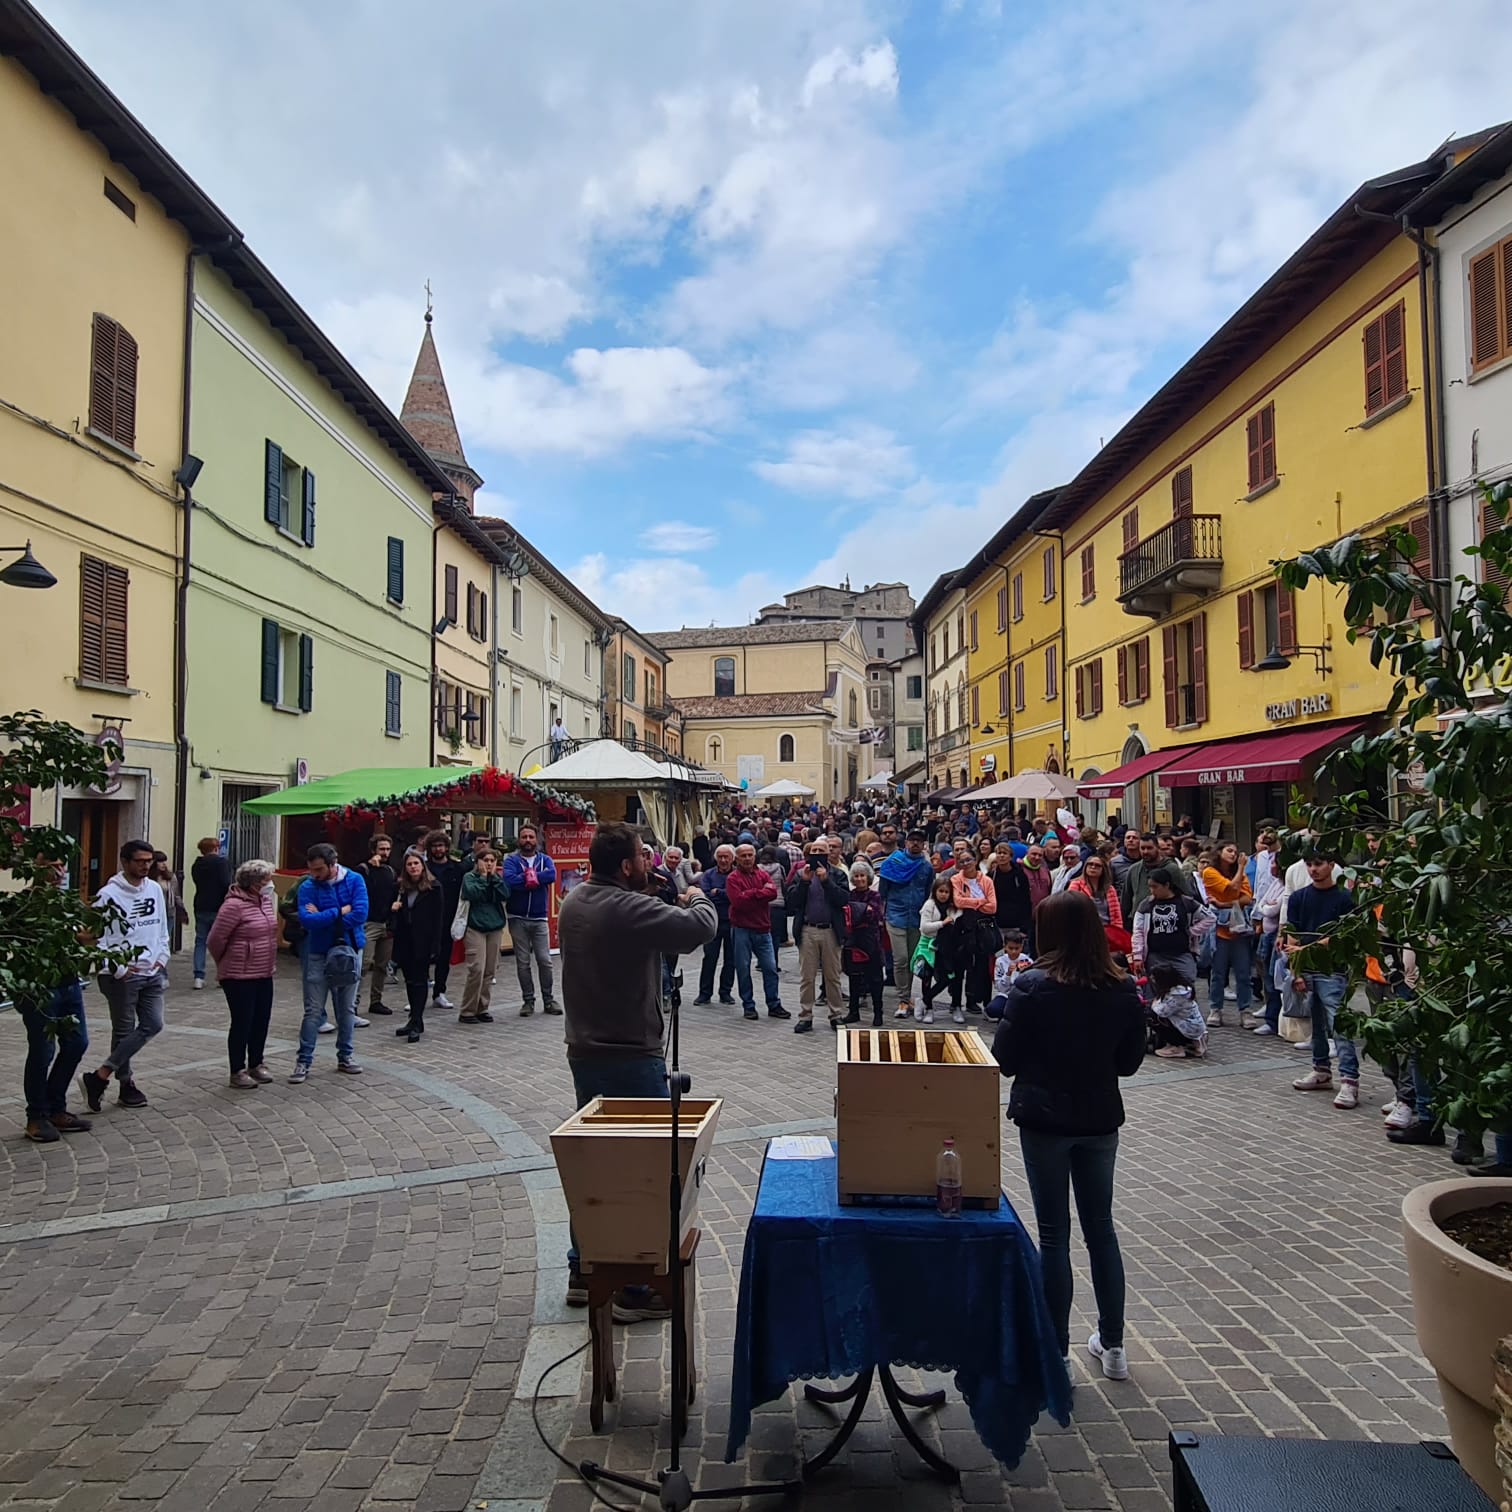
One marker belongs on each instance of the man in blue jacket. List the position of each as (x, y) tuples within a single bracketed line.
[(333, 907), (528, 874), (905, 878)]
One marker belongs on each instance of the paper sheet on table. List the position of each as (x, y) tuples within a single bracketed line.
[(799, 1147)]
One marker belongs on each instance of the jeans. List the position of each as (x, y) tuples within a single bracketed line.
[(250, 1000), (202, 923), (1230, 955), (136, 1014), (905, 940), (1056, 1164), (615, 1076), (721, 941), (377, 952), (1326, 995), (343, 1007), (758, 943), (1267, 954), (52, 1058), (532, 937)]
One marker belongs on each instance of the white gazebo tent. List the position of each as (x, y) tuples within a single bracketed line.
[(878, 782), (674, 795), (784, 787)]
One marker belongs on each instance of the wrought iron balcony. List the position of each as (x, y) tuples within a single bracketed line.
[(1185, 556)]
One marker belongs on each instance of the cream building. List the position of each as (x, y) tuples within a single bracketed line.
[(940, 630), (760, 702)]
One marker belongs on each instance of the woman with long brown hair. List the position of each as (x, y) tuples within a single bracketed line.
[(421, 923), (1073, 1025), (1096, 882), (1229, 891)]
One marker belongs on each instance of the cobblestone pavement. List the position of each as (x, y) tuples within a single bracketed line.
[(343, 1295)]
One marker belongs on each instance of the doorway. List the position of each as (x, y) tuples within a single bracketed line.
[(96, 826)]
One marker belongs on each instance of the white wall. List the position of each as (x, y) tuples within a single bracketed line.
[(569, 676)]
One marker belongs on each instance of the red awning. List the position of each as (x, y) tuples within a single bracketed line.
[(1283, 757), (1111, 784)]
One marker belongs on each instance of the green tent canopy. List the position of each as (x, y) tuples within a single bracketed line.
[(386, 787)]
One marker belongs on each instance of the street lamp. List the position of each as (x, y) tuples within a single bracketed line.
[(26, 571), (1275, 661)]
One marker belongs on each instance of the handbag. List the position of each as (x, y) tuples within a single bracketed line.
[(1296, 1014), (459, 919)]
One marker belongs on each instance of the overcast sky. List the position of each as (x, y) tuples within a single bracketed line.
[(738, 295)]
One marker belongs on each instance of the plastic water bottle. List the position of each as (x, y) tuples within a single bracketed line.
[(948, 1181)]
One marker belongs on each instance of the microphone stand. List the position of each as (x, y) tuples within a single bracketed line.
[(672, 1488)]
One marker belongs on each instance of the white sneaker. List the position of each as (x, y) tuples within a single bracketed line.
[(1262, 1029), (1348, 1095), (958, 1015), (1215, 1019), (326, 1027), (928, 1016), (902, 1011), (442, 1001), (199, 984), (918, 1012), (1400, 1117), (1115, 1362), (360, 1022), (1388, 1108)]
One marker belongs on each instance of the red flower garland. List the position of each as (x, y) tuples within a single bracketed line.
[(489, 783)]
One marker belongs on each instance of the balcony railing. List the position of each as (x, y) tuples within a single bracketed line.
[(1185, 556)]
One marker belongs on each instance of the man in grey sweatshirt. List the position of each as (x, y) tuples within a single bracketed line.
[(613, 935), (134, 991)]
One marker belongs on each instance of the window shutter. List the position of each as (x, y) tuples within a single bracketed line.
[(1268, 443), (116, 585), (482, 615), (1097, 691), (270, 661), (1506, 296), (440, 711), (1422, 559), (1018, 595), (1003, 691), (976, 704), (1375, 368), (1394, 349), (91, 619), (102, 373), (1123, 674), (1088, 572), (395, 569), (272, 482), (1286, 621), (124, 420), (973, 630), (1199, 666), (1130, 530), (1051, 686), (1493, 576), (391, 697), (451, 594), (306, 674), (1181, 492), (1142, 669), (1485, 316), (1048, 561), (1081, 691), (1247, 631), (1018, 687), (307, 507), (472, 609), (1172, 693), (1252, 445)]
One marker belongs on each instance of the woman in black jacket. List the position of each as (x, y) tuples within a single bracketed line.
[(1072, 1026), (421, 928)]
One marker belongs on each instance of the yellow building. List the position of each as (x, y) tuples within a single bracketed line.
[(762, 702), (91, 429), (1014, 648), (939, 626), (637, 706), (1198, 686)]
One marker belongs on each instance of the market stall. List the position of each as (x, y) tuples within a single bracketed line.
[(674, 796)]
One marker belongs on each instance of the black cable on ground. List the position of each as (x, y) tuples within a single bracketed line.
[(535, 1417)]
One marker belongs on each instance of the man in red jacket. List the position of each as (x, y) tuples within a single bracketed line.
[(752, 893)]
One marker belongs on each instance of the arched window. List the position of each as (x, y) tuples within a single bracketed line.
[(724, 677), (785, 748), (854, 706), (960, 718), (714, 747)]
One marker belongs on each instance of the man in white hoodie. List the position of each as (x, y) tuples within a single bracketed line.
[(135, 991)]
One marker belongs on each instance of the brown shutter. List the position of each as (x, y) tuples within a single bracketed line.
[(1375, 368), (974, 643), (1247, 630), (1199, 666), (91, 619), (1142, 669), (1394, 350), (976, 704), (1252, 445), (1123, 674), (1181, 492), (1172, 693), (117, 584), (1485, 314), (1506, 296), (1494, 576), (1097, 686), (102, 371), (1422, 559), (450, 607), (1081, 690), (124, 427), (1018, 595), (1018, 686), (1286, 621), (1131, 530), (1268, 443)]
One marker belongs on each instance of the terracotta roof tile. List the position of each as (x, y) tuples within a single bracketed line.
[(427, 412), (750, 635)]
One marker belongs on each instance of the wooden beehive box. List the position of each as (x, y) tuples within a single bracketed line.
[(899, 1095), (614, 1166)]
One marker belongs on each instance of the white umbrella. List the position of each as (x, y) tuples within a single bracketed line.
[(878, 780), (784, 787), (601, 761), (1037, 786)]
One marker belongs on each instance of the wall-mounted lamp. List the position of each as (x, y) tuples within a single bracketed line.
[(442, 624), (26, 571), (188, 472), (1274, 661)]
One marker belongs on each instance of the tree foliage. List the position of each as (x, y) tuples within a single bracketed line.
[(46, 930), (1437, 787)]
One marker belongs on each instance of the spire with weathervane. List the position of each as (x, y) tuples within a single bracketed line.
[(427, 415)]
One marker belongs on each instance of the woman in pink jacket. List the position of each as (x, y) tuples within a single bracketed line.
[(244, 942)]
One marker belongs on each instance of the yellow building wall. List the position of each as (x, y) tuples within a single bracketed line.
[(461, 660), (788, 668), (1335, 476), (719, 743), (986, 657), (69, 253), (1038, 742)]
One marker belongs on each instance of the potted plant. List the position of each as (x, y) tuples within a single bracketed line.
[(1436, 787)]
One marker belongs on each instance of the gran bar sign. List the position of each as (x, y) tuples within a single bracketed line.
[(1293, 708)]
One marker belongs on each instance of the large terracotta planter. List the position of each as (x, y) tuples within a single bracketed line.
[(1463, 1307)]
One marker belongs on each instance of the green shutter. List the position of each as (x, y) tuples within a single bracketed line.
[(307, 508), (391, 710), (270, 662), (272, 482), (395, 570), (306, 674)]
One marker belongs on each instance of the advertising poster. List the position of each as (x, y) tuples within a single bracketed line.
[(567, 845)]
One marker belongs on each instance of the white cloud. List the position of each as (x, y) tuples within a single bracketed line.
[(668, 592), (676, 536), (859, 463), (874, 70)]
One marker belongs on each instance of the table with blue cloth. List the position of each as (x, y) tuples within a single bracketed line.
[(828, 1291)]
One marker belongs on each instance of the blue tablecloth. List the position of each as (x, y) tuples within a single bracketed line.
[(827, 1291)]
